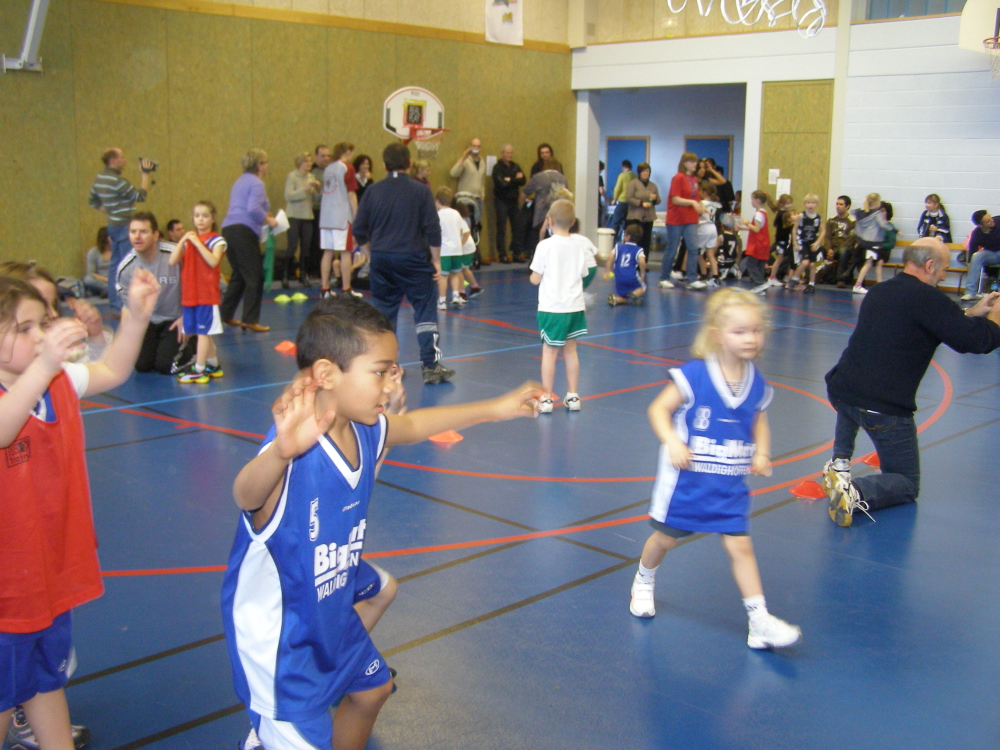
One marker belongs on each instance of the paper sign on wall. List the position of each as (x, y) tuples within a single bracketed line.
[(784, 187), (503, 22), (491, 161), (772, 176)]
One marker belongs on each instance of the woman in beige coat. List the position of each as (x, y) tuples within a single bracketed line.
[(642, 196)]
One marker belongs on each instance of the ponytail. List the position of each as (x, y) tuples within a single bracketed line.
[(765, 198)]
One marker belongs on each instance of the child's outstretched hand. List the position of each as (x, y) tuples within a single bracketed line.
[(297, 426), (87, 314), (760, 465), (520, 402), (680, 453), (62, 340), (142, 294), (397, 401)]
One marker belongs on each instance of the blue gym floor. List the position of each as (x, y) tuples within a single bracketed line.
[(508, 639)]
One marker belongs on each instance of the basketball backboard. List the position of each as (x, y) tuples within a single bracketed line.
[(980, 20), (413, 113)]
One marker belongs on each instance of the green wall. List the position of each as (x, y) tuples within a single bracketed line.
[(194, 91)]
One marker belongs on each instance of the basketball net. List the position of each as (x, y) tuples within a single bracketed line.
[(427, 140), (992, 46)]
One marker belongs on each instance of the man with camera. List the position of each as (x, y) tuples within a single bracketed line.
[(116, 196)]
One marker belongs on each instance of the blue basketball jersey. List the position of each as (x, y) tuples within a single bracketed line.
[(718, 428), (626, 266), (294, 639)]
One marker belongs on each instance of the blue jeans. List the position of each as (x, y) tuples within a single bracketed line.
[(895, 440), (618, 219), (674, 234), (980, 260), (120, 247)]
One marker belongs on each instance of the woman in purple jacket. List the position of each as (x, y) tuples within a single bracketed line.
[(247, 215)]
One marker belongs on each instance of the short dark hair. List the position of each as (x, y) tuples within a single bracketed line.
[(174, 222), (339, 330), (146, 216), (887, 207), (977, 217), (396, 157), (644, 166), (634, 231), (626, 163), (108, 154), (322, 145), (846, 199)]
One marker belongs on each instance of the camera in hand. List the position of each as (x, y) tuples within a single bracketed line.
[(151, 169)]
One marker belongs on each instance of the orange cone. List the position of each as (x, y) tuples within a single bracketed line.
[(808, 490), (286, 347), (872, 460), (446, 438)]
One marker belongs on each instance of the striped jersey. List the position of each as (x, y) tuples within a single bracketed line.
[(718, 427), (295, 641), (116, 195)]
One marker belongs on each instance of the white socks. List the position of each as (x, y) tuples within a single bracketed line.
[(756, 607), (645, 575)]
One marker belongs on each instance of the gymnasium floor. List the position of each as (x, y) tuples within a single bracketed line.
[(507, 638)]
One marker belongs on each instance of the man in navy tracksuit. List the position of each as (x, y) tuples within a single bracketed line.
[(395, 224)]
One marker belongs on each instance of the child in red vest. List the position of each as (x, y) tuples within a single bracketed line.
[(758, 248)]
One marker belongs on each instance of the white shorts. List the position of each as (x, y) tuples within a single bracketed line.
[(707, 236), (333, 239)]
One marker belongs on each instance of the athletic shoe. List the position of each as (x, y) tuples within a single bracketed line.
[(572, 402), (714, 283), (613, 299), (193, 376), (327, 293), (642, 604), (436, 374), (836, 476), (841, 285), (844, 503), (442, 303), (736, 273), (475, 291), (257, 327), (970, 297), (352, 292), (761, 289), (665, 284), (771, 632), (677, 275), (697, 284), (20, 736), (252, 742), (859, 290), (214, 371), (180, 364), (545, 405), (457, 302), (810, 289), (774, 282), (634, 299)]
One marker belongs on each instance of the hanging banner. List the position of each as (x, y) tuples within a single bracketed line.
[(503, 22)]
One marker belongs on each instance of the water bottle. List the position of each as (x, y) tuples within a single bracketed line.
[(995, 286)]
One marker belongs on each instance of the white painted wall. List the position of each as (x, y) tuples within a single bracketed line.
[(666, 115), (922, 116)]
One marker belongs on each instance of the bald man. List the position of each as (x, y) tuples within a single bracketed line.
[(874, 385), (508, 179)]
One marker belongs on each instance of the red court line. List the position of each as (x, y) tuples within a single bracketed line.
[(814, 315)]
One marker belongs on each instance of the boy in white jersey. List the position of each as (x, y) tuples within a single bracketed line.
[(454, 232), (561, 268), (297, 645)]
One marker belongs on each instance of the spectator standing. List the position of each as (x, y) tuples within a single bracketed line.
[(363, 173), (394, 226), (247, 215), (545, 153), (470, 173), (322, 156), (642, 196), (683, 209), (116, 197), (300, 189), (508, 179), (618, 197), (543, 189)]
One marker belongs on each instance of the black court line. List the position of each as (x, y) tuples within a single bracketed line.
[(178, 433), (179, 728), (145, 660)]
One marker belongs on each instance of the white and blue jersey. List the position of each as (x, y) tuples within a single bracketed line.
[(295, 641), (718, 427), (627, 279)]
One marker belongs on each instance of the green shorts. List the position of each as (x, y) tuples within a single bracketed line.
[(467, 260), (557, 328), (451, 263)]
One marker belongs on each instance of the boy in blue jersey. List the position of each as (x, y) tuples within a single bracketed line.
[(627, 266), (302, 660)]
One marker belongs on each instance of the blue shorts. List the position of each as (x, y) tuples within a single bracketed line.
[(37, 662), (203, 320), (317, 733), (626, 285), (368, 580)]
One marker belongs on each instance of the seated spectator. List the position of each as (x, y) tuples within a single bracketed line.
[(165, 348), (98, 261), (984, 250)]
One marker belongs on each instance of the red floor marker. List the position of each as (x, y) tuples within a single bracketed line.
[(808, 490), (286, 347), (446, 438), (872, 460)]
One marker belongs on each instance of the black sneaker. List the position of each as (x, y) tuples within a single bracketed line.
[(436, 374), (21, 737)]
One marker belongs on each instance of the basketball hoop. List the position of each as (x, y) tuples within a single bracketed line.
[(427, 140), (992, 46)]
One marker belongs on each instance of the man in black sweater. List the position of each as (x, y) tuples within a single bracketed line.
[(508, 179), (395, 224), (874, 385)]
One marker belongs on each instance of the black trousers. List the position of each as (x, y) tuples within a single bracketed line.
[(247, 281), (300, 232), (160, 347), (504, 212)]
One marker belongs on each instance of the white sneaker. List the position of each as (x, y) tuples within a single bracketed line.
[(678, 275), (572, 402), (969, 297), (697, 284), (457, 302), (665, 284), (761, 288), (836, 475), (442, 303), (545, 405), (859, 290), (773, 282), (642, 599), (714, 283), (771, 632), (844, 503)]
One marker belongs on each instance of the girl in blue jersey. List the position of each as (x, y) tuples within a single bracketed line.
[(714, 431)]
